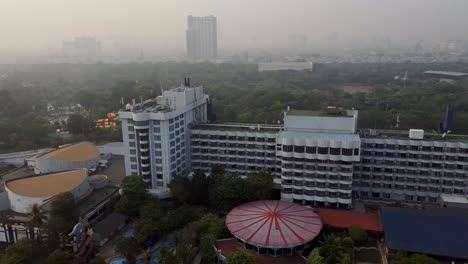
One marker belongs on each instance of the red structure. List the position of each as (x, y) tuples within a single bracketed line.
[(273, 227), (343, 219)]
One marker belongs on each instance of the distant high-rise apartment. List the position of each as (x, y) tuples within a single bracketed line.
[(85, 47), (201, 36)]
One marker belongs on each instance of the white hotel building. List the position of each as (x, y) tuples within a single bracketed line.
[(316, 158), (157, 135)]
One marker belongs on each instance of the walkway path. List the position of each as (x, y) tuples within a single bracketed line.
[(198, 258), (383, 253)]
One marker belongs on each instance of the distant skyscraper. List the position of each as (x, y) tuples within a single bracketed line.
[(82, 47), (297, 42), (201, 36)]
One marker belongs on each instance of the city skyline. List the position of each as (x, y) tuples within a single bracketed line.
[(161, 26)]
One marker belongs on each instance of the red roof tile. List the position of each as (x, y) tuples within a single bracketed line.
[(273, 223), (345, 219)]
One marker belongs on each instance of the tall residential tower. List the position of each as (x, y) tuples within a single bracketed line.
[(202, 37)]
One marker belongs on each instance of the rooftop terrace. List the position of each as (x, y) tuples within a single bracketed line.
[(404, 135)]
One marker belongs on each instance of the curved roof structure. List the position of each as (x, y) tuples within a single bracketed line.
[(274, 224), (47, 185), (77, 152)]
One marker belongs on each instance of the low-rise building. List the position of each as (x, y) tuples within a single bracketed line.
[(71, 157)]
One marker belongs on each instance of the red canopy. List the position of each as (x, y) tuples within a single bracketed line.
[(345, 219), (274, 224)]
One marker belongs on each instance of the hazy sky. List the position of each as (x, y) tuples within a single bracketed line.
[(39, 25)]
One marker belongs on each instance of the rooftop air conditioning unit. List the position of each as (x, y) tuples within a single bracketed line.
[(416, 134)]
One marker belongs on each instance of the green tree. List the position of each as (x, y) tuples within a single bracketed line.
[(24, 251), (314, 257), (227, 192), (217, 170), (134, 194), (80, 125), (128, 247), (240, 257), (346, 259), (422, 259), (199, 191), (258, 186), (180, 189), (97, 260), (37, 217), (152, 214), (358, 235), (59, 257), (166, 256), (63, 212)]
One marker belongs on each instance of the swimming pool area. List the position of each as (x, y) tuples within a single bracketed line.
[(141, 260), (128, 233)]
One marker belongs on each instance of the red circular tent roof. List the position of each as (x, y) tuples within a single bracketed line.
[(274, 224)]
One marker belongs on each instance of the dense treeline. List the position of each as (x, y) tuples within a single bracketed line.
[(239, 93)]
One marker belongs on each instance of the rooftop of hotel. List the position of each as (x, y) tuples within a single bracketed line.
[(77, 152), (157, 104), (327, 112), (245, 127), (47, 185), (404, 135)]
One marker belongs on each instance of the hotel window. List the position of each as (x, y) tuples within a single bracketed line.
[(322, 150), (299, 149), (335, 151), (347, 152), (141, 123), (311, 150), (287, 148)]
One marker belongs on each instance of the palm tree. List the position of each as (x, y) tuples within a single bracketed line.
[(37, 217)]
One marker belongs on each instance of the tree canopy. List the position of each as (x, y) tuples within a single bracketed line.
[(240, 257), (134, 194), (128, 247), (358, 235), (24, 251)]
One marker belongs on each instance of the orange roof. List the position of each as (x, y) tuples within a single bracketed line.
[(47, 185), (76, 152), (346, 219)]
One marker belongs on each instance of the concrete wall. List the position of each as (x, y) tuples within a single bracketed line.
[(23, 204), (53, 165), (4, 202)]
